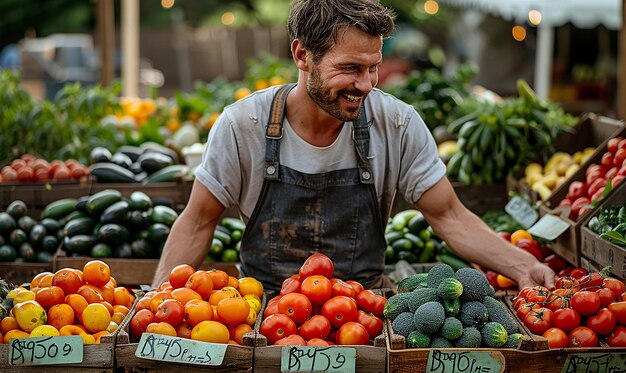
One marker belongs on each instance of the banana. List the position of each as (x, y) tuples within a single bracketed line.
[(468, 128), (485, 139), (541, 189), (550, 179), (533, 168), (571, 170), (472, 142)]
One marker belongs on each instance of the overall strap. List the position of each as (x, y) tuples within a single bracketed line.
[(274, 132), (361, 137)]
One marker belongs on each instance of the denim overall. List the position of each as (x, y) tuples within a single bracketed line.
[(335, 213)]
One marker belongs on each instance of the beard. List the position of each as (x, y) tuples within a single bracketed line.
[(329, 103)]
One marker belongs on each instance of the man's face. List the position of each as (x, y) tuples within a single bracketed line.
[(342, 78)]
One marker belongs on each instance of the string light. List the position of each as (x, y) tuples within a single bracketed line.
[(431, 7), (167, 4), (534, 16), (228, 18), (519, 33)]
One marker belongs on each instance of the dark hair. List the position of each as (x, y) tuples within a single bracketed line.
[(317, 23)]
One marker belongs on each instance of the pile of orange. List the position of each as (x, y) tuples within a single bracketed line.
[(208, 306), (84, 302)]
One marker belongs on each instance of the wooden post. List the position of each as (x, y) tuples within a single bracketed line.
[(621, 72), (106, 39), (543, 61), (130, 48)]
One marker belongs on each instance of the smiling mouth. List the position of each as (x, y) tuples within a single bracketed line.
[(351, 98)]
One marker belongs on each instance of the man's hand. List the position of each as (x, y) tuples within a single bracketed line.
[(538, 274)]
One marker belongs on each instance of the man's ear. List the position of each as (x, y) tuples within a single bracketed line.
[(300, 55)]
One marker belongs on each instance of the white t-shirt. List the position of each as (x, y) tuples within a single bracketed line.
[(403, 153)]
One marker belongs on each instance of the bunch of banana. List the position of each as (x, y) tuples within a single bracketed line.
[(545, 179)]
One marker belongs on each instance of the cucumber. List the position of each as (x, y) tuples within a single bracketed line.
[(83, 225), (81, 204), (139, 201), (400, 220), (223, 229), (417, 223), (225, 238), (418, 243), (98, 202), (427, 253), (115, 213), (59, 209), (233, 224), (393, 236), (167, 174), (113, 234), (236, 235), (453, 261), (111, 173), (80, 244), (402, 244), (216, 248), (164, 215), (407, 255)]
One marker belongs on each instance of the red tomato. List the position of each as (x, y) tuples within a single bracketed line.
[(607, 161), (576, 190), (606, 297), (317, 288), (270, 309), (537, 294), (578, 273), (592, 168), (341, 288), (317, 342), (524, 309), (291, 285), (352, 333), (372, 324), (295, 305), (340, 310), (615, 285), (539, 320), (317, 264), (610, 174), (603, 323), (583, 337), (618, 337), (617, 179), (277, 326), (356, 286), (556, 337), (567, 283), (593, 175), (619, 310), (559, 299), (292, 340), (370, 302), (317, 326), (612, 144), (170, 311), (595, 186), (140, 321), (585, 302), (566, 319), (518, 302), (592, 280)]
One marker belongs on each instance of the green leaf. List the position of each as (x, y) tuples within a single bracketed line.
[(614, 237)]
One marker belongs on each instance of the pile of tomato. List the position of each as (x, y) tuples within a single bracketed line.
[(208, 306), (582, 310), (70, 301), (316, 309)]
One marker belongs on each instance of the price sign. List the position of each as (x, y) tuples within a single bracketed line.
[(597, 362), (549, 227), (318, 359), (46, 350), (179, 350), (521, 211), (443, 361)]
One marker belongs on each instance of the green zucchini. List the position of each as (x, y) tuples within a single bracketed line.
[(225, 238), (115, 213), (111, 173), (81, 244), (83, 225), (233, 224), (400, 220), (164, 215), (59, 209), (157, 233), (167, 174), (113, 234), (100, 201), (139, 201)]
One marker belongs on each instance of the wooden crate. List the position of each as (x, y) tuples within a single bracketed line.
[(96, 358), (237, 358), (482, 198), (130, 272), (18, 273), (37, 196), (591, 131)]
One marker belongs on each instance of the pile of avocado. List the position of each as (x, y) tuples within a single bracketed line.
[(24, 239), (448, 309)]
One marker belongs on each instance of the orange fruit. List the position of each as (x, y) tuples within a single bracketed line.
[(158, 298), (200, 282), (15, 333), (46, 280), (68, 280), (123, 297), (250, 285), (233, 311), (117, 317), (180, 274), (140, 321), (121, 309), (233, 282), (96, 318), (144, 303), (184, 295), (183, 330), (37, 279), (60, 315), (99, 335), (217, 296), (520, 233), (7, 324), (161, 328), (108, 293), (210, 331), (219, 278), (48, 297), (97, 273), (108, 306), (197, 311), (91, 294), (237, 332), (78, 304)]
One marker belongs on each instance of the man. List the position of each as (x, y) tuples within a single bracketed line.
[(315, 167)]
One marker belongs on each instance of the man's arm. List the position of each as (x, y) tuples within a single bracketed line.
[(191, 234), (475, 241)]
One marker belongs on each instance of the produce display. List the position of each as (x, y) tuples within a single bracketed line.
[(445, 308), (409, 237), (316, 309), (85, 302), (23, 238), (208, 306), (585, 310)]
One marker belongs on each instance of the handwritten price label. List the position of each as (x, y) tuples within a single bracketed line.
[(179, 350), (521, 211), (549, 227), (46, 350), (598, 362), (318, 359), (440, 361)]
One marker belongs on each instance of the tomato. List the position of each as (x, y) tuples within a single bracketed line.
[(578, 273), (356, 286), (316, 342), (370, 302), (140, 322), (180, 274), (295, 305), (352, 333), (518, 302), (612, 144), (50, 296), (596, 185), (341, 288), (619, 310), (317, 264), (583, 337), (530, 245), (492, 278), (317, 288), (201, 283), (585, 302), (615, 285), (559, 299), (210, 331), (270, 309), (68, 280), (171, 311), (576, 190), (340, 310), (606, 296), (567, 283), (602, 323), (317, 326), (233, 311), (372, 324), (556, 337), (537, 294), (277, 326), (592, 280), (618, 337), (566, 319), (539, 320), (524, 309), (291, 285), (292, 340)]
